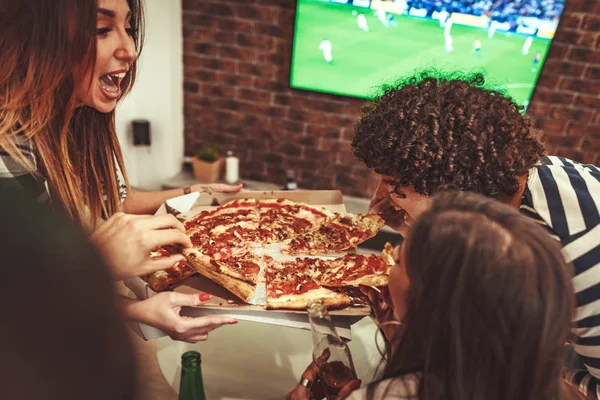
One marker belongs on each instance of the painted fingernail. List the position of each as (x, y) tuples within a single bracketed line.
[(233, 322), (205, 297)]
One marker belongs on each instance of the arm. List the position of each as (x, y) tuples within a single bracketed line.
[(149, 202)]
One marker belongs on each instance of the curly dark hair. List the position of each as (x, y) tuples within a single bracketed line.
[(438, 131)]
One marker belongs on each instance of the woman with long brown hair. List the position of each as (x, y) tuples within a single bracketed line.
[(64, 65), (485, 303)]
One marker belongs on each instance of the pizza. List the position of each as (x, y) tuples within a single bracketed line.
[(282, 219), (355, 270), (226, 244), (341, 234), (163, 279), (291, 286)]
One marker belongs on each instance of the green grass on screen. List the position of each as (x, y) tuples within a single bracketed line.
[(362, 61)]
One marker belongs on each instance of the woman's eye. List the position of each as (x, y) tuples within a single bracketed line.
[(102, 31)]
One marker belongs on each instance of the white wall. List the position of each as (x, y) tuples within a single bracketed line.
[(157, 97)]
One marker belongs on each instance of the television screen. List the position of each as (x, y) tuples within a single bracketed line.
[(351, 47)]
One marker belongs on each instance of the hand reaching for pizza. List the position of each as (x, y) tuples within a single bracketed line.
[(126, 241), (382, 205), (312, 389), (162, 311), (217, 188)]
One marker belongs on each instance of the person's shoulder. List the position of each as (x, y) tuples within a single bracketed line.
[(405, 387)]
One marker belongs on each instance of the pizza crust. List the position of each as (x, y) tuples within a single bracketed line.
[(201, 263), (300, 302)]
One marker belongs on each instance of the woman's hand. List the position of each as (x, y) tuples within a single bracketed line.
[(313, 390), (381, 303), (382, 205), (125, 241), (217, 188), (162, 311)]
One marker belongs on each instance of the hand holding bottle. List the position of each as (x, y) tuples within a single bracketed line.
[(310, 386)]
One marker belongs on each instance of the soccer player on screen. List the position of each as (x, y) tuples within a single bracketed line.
[(448, 26), (325, 47), (448, 43), (536, 61), (362, 23), (476, 48), (527, 45)]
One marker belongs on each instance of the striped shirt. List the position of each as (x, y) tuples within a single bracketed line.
[(14, 177), (563, 196)]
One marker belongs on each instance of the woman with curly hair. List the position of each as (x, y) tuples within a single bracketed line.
[(430, 133)]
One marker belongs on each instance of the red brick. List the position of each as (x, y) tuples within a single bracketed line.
[(576, 37), (218, 90), (551, 96), (580, 85), (253, 95), (570, 20), (268, 84), (265, 71), (591, 22), (235, 80), (593, 72), (563, 113), (539, 109), (235, 25), (591, 102), (548, 81), (207, 49), (580, 5), (279, 59), (581, 129), (561, 140), (569, 153), (584, 55), (304, 115), (549, 125), (557, 51), (591, 144), (273, 30), (254, 41), (195, 20), (240, 53)]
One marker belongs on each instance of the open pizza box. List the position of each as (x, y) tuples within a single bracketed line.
[(224, 302)]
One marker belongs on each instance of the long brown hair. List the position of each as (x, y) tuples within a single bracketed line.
[(46, 46), (489, 304)]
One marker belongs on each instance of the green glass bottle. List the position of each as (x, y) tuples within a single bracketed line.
[(191, 386)]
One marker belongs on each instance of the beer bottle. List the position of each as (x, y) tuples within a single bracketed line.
[(191, 386), (330, 353)]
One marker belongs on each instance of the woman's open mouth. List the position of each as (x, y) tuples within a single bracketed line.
[(110, 84)]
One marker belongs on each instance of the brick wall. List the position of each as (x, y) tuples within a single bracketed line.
[(566, 102), (236, 79)]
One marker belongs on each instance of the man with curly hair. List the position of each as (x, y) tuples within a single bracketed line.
[(430, 132)]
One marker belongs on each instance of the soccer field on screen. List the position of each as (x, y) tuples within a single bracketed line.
[(362, 61)]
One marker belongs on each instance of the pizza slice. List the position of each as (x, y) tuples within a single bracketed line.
[(355, 269), (290, 286), (238, 274), (282, 219), (162, 279), (341, 234)]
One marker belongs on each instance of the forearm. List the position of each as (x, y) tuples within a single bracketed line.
[(148, 202)]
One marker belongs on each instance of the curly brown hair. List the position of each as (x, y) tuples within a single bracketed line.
[(438, 131)]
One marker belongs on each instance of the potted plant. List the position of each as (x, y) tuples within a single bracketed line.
[(207, 164)]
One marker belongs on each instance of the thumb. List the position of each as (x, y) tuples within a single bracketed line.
[(189, 300)]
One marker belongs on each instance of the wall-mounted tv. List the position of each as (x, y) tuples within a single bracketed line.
[(351, 47)]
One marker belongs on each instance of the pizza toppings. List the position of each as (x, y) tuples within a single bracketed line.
[(223, 240)]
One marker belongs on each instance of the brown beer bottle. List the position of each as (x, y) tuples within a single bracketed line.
[(330, 352)]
